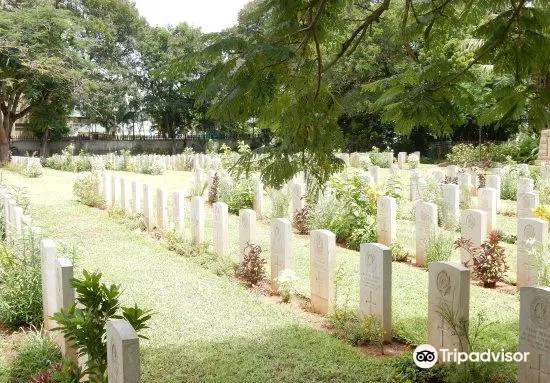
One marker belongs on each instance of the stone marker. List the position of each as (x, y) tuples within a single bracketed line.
[(465, 185), (247, 230), (494, 181), (162, 209), (386, 220), (125, 195), (220, 224), (298, 194), (438, 175), (115, 190), (545, 171), (136, 197), (198, 180), (426, 223), (17, 222), (448, 292), (48, 269), (375, 173), (321, 256), (526, 203), (525, 185), (178, 211), (414, 185), (258, 197), (531, 232), (375, 288), (148, 206), (197, 219), (487, 201), (107, 193), (473, 226), (65, 299), (452, 171), (122, 352), (451, 205), (534, 332), (401, 159), (281, 249)]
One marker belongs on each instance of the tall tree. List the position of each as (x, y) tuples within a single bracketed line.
[(283, 65)]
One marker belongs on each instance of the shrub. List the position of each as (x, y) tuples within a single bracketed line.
[(34, 170), (286, 284), (394, 187), (154, 168), (381, 159), (349, 326), (432, 193), (252, 268), (85, 321), (280, 202), (489, 260), (439, 246), (300, 220), (463, 154), (20, 284), (82, 163), (211, 146), (56, 162), (237, 194), (398, 253), (509, 183), (35, 352), (86, 189), (543, 189)]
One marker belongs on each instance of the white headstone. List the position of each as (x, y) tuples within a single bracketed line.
[(386, 220), (178, 211), (220, 223), (494, 181), (426, 223), (487, 201), (122, 352), (451, 204), (375, 173), (125, 195), (465, 185), (322, 254), (162, 209), (526, 203), (65, 299), (525, 185), (137, 188), (401, 159), (258, 197), (534, 332), (414, 185), (375, 288), (115, 190), (452, 171), (281, 249), (473, 226), (298, 195), (48, 268), (448, 297), (148, 206), (197, 219), (531, 232), (247, 230), (107, 193)]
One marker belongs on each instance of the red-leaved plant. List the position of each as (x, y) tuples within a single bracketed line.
[(489, 264)]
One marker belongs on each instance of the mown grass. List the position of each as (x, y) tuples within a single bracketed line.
[(209, 328)]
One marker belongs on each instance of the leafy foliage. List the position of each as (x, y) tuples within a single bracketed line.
[(252, 268), (84, 323)]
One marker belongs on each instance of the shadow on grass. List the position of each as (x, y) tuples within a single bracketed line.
[(288, 354)]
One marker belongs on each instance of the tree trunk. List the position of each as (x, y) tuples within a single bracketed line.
[(44, 144), (5, 130)]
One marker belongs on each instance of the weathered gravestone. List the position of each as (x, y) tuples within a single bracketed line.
[(258, 202), (162, 209), (451, 205), (124, 195), (375, 173), (414, 185), (465, 185), (65, 299), (375, 285), (386, 220), (148, 206), (448, 302), (115, 190), (531, 232), (197, 219), (473, 226), (525, 185), (298, 194), (544, 146), (247, 230), (401, 159), (281, 249), (122, 352), (526, 203), (48, 269), (321, 258), (534, 334), (136, 197), (487, 201), (220, 223), (426, 224), (494, 181), (107, 194), (178, 211)]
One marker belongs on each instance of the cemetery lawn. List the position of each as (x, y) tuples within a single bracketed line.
[(208, 328)]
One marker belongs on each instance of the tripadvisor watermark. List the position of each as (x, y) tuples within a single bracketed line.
[(426, 356)]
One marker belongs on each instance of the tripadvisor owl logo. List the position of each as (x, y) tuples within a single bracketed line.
[(425, 356)]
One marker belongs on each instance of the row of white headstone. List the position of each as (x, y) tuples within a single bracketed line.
[(58, 294), (21, 164)]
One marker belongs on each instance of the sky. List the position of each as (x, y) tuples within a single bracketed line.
[(209, 15)]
